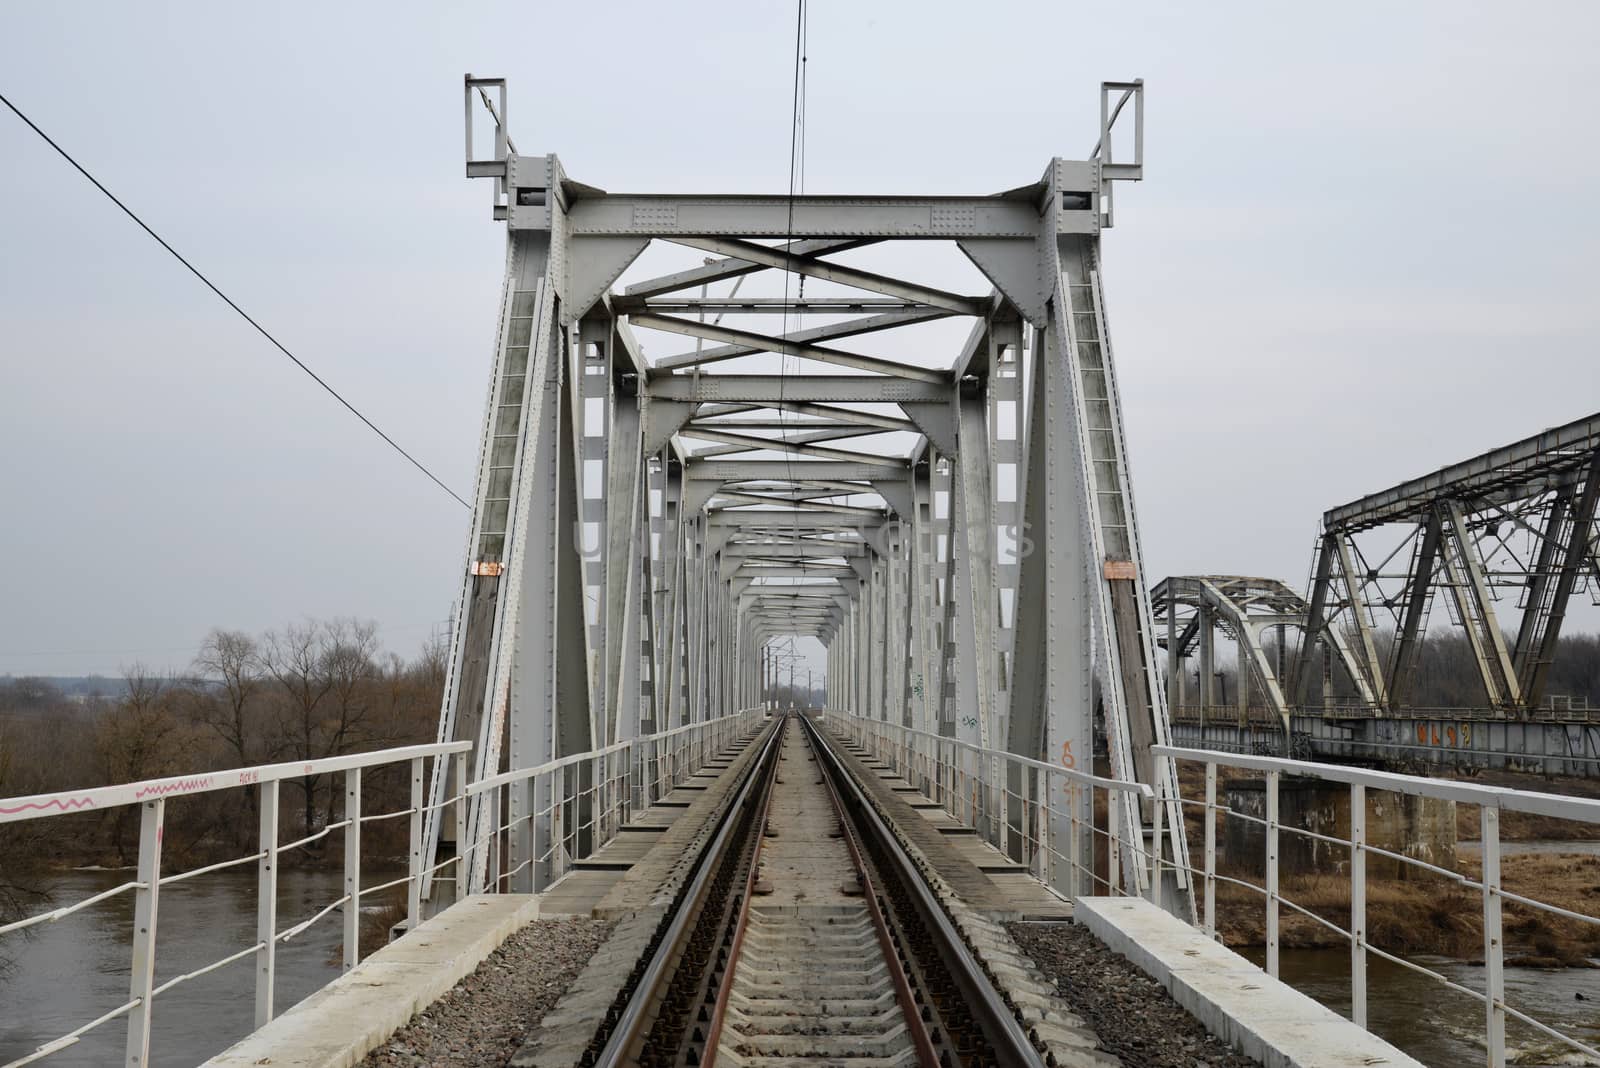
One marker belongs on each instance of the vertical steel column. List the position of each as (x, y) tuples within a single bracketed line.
[(1418, 592), (1574, 559), (972, 552), (1361, 615)]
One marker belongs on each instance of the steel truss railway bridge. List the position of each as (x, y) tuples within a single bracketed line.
[(1506, 540), (955, 524), (836, 438)]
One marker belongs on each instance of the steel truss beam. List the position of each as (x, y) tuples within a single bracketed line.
[(983, 583), (1516, 518)]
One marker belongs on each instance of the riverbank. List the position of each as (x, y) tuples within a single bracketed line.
[(1428, 913), (1434, 915)]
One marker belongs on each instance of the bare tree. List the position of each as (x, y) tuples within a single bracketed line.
[(296, 659), (232, 707), (139, 737), (22, 844), (349, 649), (231, 658)]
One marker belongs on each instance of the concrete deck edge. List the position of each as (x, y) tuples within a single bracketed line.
[(350, 1017), (1237, 1001)]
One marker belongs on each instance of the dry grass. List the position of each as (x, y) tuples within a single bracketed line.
[(1433, 914), (1523, 826), (1427, 913)]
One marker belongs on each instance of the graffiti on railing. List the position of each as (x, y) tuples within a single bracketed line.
[(177, 786), (63, 804)]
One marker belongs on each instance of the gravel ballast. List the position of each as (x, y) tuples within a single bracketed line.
[(486, 1016), (1132, 1016)]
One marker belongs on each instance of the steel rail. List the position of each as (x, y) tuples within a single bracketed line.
[(719, 1012), (1002, 1030), (897, 973), (632, 1023), (902, 985)]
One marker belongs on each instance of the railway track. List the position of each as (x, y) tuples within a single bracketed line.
[(807, 936)]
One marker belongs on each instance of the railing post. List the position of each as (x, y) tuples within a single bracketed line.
[(1155, 844), (1047, 864), (1025, 819), (465, 870), (521, 833), (266, 901), (558, 828), (415, 860), (352, 868), (152, 818), (1272, 874), (1113, 843), (1358, 904), (1004, 805), (1211, 850), (491, 814), (541, 878), (1075, 842), (629, 777), (1493, 937)]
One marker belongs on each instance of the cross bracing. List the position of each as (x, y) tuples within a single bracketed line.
[(1505, 539), (798, 427)]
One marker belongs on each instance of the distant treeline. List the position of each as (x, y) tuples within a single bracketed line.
[(1446, 672), (310, 690)]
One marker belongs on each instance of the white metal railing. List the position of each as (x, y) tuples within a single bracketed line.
[(540, 819), (1490, 801), (151, 797), (1042, 814), (571, 807)]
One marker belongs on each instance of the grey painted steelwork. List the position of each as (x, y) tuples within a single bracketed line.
[(1517, 520), (1243, 608), (1456, 739), (645, 530)]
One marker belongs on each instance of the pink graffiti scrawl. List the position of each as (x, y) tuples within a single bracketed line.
[(181, 785), (65, 806)]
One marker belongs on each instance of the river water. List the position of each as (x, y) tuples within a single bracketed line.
[(1442, 1027), (74, 970)]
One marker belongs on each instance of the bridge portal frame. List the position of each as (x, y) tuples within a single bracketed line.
[(619, 581)]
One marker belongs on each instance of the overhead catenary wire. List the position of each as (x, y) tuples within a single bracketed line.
[(318, 379), (796, 175)]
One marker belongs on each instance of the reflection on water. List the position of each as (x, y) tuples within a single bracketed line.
[(1442, 1027), (77, 969)]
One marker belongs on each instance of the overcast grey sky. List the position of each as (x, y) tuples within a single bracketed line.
[(1366, 246)]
